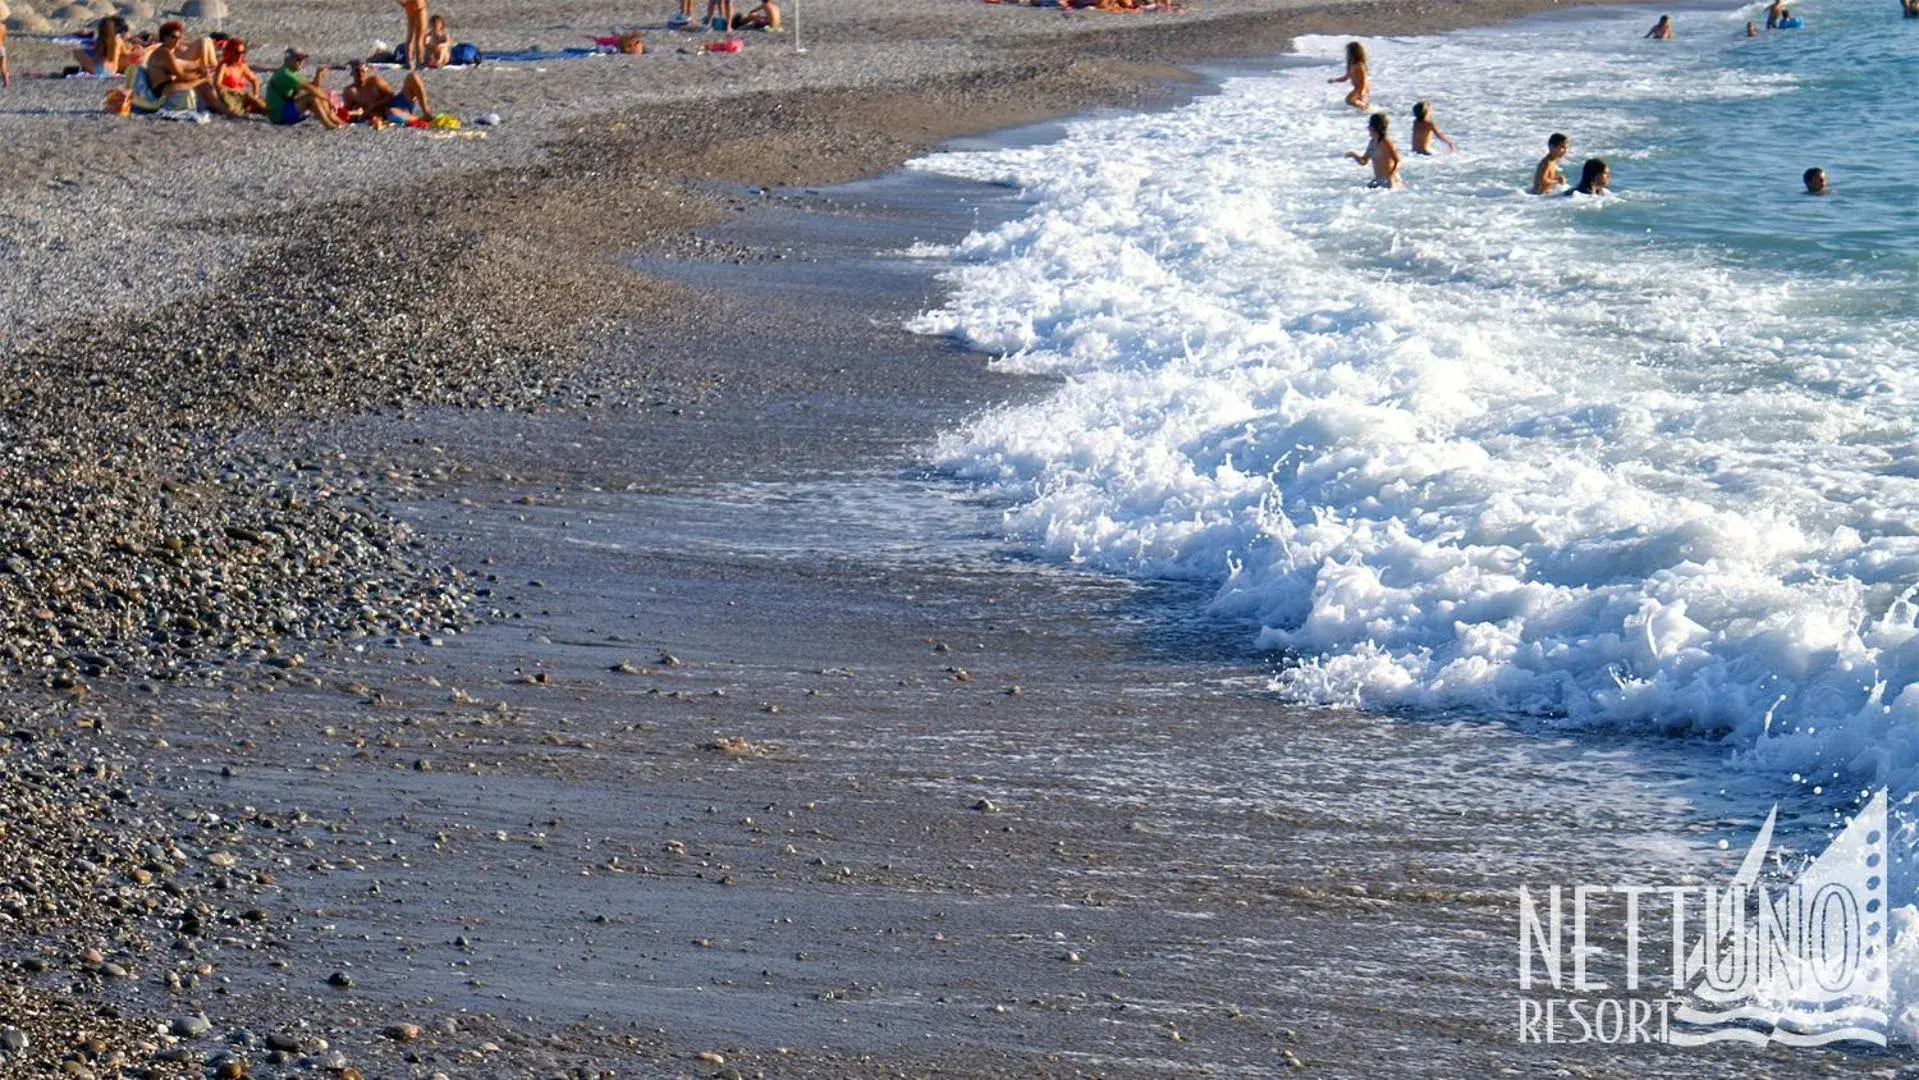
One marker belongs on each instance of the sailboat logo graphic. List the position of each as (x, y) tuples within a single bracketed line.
[(1803, 965)]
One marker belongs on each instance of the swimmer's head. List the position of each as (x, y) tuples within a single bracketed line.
[(1376, 124), (1751, 29), (1421, 110), (1594, 176), (1815, 181), (1355, 53), (1558, 144)]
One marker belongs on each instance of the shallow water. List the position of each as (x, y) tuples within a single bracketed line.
[(1643, 462)]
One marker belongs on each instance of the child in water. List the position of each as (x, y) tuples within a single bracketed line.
[(1380, 153), (1355, 74), (1815, 179), (1425, 131), (1546, 178), (1661, 30), (1752, 30), (1593, 178)]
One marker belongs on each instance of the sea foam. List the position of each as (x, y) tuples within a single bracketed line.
[(1461, 449)]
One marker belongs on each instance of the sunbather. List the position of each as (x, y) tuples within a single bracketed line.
[(415, 31), (291, 97), (168, 73), (764, 17), (369, 97), (439, 44), (106, 53), (236, 87)]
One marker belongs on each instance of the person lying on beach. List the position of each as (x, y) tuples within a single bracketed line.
[(1661, 30), (168, 72), (415, 31), (236, 89), (764, 17), (106, 53), (1816, 182), (1380, 153), (439, 44), (1593, 178), (1546, 178), (1425, 131), (1355, 74), (291, 97), (719, 14), (372, 99)]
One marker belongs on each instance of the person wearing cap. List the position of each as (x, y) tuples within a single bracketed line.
[(291, 97)]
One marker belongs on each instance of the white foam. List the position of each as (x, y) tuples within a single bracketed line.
[(1455, 448)]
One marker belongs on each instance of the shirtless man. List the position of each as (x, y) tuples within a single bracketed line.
[(1661, 30), (1775, 11), (1425, 131), (371, 98), (1380, 153), (439, 43), (168, 72), (1355, 74), (1816, 182), (1546, 178), (415, 32)]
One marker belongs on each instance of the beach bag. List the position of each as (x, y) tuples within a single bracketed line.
[(464, 55)]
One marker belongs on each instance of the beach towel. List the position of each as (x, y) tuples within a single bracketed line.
[(141, 98)]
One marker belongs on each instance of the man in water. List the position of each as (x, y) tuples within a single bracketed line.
[(1546, 178), (1661, 30), (1816, 182)]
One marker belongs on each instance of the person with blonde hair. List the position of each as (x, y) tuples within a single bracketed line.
[(1355, 74)]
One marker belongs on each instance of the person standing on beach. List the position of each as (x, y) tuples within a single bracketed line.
[(1380, 153), (1661, 30), (1355, 74), (415, 32), (1425, 131), (1546, 178)]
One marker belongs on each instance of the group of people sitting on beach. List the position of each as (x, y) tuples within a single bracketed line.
[(168, 70), (1595, 176)]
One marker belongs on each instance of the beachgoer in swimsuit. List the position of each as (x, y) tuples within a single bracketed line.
[(1425, 131), (683, 18), (371, 98), (1355, 74), (291, 97), (1546, 178), (1752, 29), (1816, 182), (1593, 178), (168, 72), (1661, 30), (1380, 153), (236, 87), (106, 54), (415, 31), (1775, 12), (439, 44), (6, 73)]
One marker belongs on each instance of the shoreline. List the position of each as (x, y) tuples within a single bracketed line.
[(597, 732)]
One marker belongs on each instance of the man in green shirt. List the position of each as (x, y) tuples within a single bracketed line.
[(291, 97)]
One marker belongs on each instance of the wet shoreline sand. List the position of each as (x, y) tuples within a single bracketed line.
[(740, 769)]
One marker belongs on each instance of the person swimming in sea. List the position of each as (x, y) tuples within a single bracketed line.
[(1909, 8), (1355, 74), (1425, 131), (1380, 153), (1815, 179), (1593, 178), (1752, 28), (1546, 178), (1661, 30)]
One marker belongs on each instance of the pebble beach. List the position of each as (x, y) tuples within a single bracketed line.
[(319, 710)]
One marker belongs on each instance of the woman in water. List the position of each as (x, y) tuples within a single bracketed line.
[(1593, 178), (1355, 74), (1425, 131), (1380, 153), (1661, 30)]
